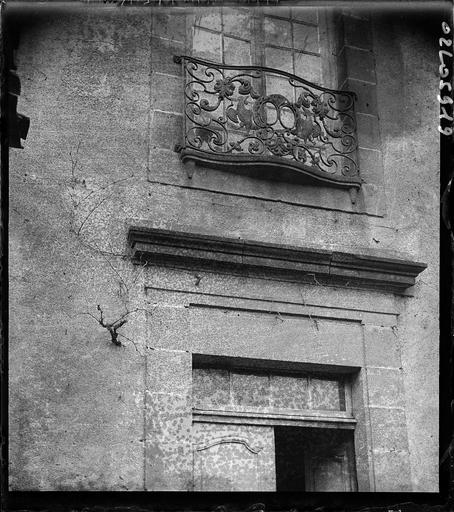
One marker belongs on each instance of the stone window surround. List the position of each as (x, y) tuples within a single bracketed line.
[(348, 63), (363, 357)]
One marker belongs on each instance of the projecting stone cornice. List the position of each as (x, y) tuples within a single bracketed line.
[(308, 265)]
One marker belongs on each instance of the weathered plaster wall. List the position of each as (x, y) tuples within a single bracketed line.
[(76, 400), (103, 95)]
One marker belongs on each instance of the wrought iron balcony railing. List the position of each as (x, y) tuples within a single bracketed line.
[(267, 123)]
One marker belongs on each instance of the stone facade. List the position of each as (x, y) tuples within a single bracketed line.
[(99, 180)]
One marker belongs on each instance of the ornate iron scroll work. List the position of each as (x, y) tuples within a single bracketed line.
[(239, 118)]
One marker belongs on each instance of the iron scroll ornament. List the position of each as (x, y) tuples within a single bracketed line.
[(237, 118)]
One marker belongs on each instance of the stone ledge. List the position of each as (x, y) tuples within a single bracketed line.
[(316, 266)]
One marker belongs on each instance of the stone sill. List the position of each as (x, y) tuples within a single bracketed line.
[(309, 265)]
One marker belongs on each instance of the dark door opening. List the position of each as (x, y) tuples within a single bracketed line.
[(290, 450), (314, 459)]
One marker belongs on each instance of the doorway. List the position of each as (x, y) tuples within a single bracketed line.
[(314, 459)]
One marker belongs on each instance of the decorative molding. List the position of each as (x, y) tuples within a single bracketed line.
[(317, 266), (323, 420), (229, 440)]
